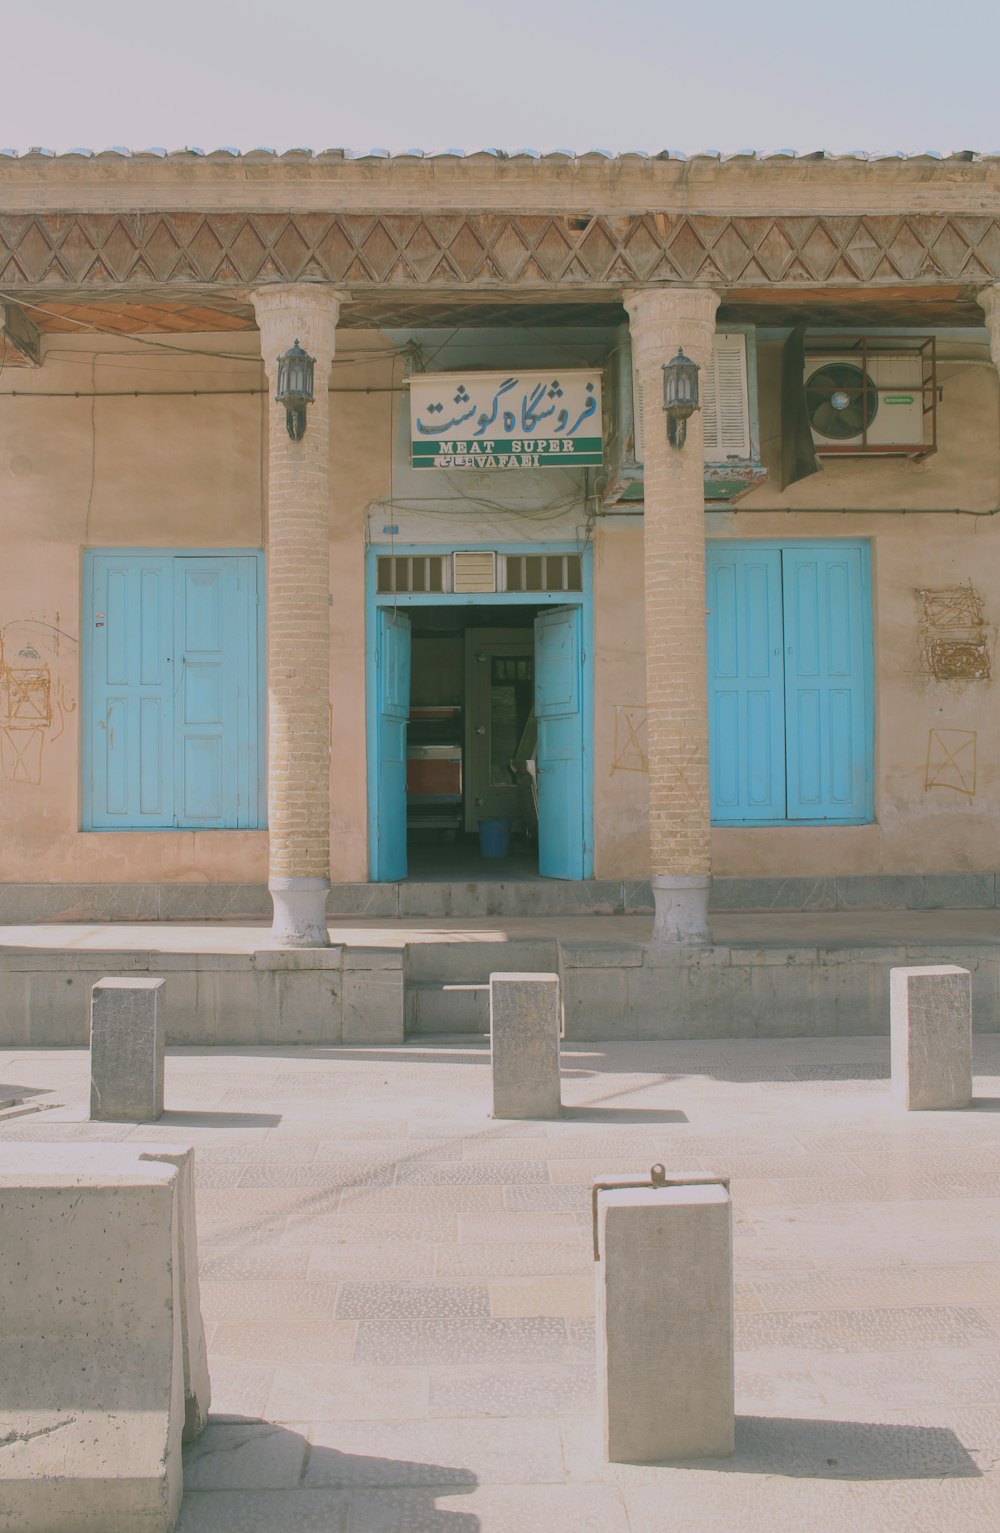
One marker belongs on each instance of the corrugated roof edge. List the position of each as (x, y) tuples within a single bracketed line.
[(228, 152)]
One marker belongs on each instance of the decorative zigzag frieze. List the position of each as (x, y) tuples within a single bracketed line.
[(469, 250)]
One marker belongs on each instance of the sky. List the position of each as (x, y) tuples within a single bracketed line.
[(546, 74)]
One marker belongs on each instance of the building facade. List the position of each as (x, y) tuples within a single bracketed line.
[(231, 658)]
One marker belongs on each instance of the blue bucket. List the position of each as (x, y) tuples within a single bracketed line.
[(494, 838)]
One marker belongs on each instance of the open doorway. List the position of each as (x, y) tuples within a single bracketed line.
[(471, 800), (480, 728)]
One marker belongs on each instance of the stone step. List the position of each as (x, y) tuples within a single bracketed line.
[(472, 962), (453, 1008)]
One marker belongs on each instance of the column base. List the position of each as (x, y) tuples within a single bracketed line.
[(681, 905), (299, 912)]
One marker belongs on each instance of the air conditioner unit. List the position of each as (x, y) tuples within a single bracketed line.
[(858, 403)]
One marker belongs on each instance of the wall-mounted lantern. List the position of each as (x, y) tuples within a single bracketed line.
[(295, 388), (680, 395)]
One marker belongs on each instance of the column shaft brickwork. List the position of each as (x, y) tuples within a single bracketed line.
[(298, 668), (661, 320)]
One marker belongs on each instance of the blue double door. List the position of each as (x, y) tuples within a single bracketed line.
[(559, 757), (789, 682), (173, 715)]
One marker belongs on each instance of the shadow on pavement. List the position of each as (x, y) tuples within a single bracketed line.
[(243, 1470)]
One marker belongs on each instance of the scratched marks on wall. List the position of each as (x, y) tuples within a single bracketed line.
[(954, 640), (951, 761), (631, 754), (33, 698)]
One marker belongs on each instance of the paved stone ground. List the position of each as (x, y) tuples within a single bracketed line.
[(399, 1292)]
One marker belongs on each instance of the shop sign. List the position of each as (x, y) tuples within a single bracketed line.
[(505, 420)]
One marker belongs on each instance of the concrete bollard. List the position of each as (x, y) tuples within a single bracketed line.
[(524, 1045), (930, 1016), (665, 1375), (127, 1041), (102, 1351)]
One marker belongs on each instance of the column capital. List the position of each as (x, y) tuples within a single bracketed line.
[(304, 311), (661, 317)]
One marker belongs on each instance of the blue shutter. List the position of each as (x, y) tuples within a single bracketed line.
[(131, 687), (393, 672), (559, 752), (215, 611), (745, 683), (174, 729), (827, 646)]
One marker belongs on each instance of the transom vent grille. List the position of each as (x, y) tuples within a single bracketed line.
[(543, 572), (477, 571), (406, 573)]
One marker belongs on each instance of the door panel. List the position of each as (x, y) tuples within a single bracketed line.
[(559, 755), (826, 669), (393, 683), (214, 623), (745, 683), (174, 720), (130, 693)]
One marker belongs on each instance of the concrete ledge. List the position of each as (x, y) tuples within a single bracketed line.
[(29, 903), (315, 996)]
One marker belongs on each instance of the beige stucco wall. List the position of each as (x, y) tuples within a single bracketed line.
[(188, 472)]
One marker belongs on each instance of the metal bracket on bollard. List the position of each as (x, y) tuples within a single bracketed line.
[(657, 1178)]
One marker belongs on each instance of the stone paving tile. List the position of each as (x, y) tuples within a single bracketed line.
[(320, 1393), (469, 1173), (710, 1502), (376, 1259), (399, 1454), (244, 1456), (573, 1297), (875, 1330), (991, 1314), (359, 1226), (514, 1391), (413, 1150), (408, 1201), (241, 1265), (294, 1153), (584, 1172), (436, 1341), (283, 1341), (535, 1199), (273, 1201), (390, 1302), (239, 1389), (266, 1300), (237, 1230), (968, 1283), (330, 1126), (318, 1174), (486, 1509), (525, 1259), (559, 1147), (523, 1227), (215, 1174)]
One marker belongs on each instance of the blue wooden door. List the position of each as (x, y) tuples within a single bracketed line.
[(559, 753), (215, 613), (746, 727), (131, 693), (393, 690), (826, 622), (173, 727)]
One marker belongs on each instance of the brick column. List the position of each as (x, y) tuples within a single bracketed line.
[(989, 302), (298, 619), (661, 320)]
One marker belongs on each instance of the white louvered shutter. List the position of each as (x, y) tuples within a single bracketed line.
[(475, 570), (725, 401), (638, 419)]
